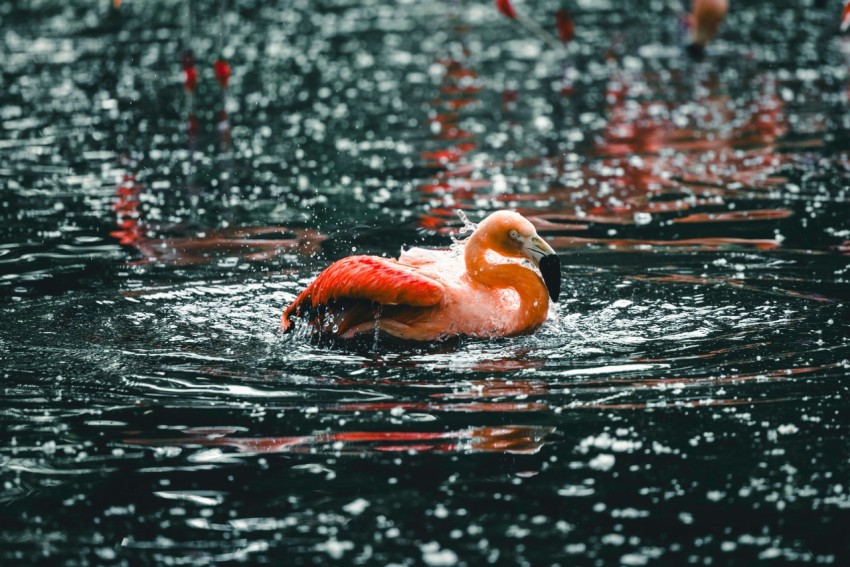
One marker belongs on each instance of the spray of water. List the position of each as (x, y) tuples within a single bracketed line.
[(468, 228), (377, 310)]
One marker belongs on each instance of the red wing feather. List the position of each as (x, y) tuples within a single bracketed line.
[(369, 278)]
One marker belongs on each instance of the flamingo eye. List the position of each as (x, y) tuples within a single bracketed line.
[(514, 234)]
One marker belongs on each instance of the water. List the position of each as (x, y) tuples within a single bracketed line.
[(684, 403)]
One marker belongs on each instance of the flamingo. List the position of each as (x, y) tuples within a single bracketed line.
[(705, 19), (487, 291)]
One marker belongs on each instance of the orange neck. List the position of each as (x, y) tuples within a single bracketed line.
[(534, 299)]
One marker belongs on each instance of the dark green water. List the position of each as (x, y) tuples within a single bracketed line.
[(685, 403)]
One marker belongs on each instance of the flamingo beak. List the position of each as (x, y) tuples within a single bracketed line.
[(547, 260)]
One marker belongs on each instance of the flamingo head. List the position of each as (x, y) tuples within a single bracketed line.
[(512, 235)]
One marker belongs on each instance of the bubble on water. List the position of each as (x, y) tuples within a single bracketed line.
[(543, 123), (715, 495), (642, 218), (499, 185), (356, 507), (433, 555), (576, 490), (106, 553), (334, 547), (787, 429), (643, 558), (602, 462)]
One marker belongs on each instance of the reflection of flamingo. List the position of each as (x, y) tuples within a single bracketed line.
[(250, 243), (518, 439), (716, 147), (720, 143), (427, 295), (457, 92)]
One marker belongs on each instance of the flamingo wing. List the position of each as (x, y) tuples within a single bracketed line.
[(366, 279)]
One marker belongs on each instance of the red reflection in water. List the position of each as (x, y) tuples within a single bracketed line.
[(616, 191), (717, 144), (518, 439), (709, 122), (449, 155), (661, 156), (499, 388), (760, 214), (244, 243), (458, 91), (248, 243), (463, 408), (704, 244)]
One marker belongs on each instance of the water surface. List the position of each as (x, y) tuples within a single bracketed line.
[(683, 404)]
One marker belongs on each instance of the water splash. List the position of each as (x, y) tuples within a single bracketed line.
[(466, 229)]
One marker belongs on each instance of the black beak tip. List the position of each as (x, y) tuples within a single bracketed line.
[(550, 269)]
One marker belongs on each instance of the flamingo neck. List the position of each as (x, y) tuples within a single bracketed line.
[(707, 15), (534, 299)]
